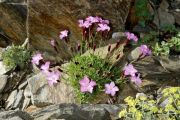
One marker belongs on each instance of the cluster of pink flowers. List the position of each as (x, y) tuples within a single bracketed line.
[(63, 36), (145, 50), (87, 85), (51, 76), (90, 22), (129, 70), (131, 36)]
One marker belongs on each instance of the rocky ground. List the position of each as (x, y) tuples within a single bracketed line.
[(26, 95)]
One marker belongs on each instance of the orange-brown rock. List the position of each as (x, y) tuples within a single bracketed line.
[(47, 18), (12, 23)]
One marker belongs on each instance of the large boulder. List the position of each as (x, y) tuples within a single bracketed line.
[(78, 112), (13, 23), (155, 74), (163, 16), (48, 18)]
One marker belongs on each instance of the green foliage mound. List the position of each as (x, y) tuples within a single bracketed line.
[(15, 56), (96, 69)]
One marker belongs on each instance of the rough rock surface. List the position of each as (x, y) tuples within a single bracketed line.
[(13, 1), (164, 17), (48, 18), (14, 115), (75, 112), (3, 81), (13, 23), (154, 75), (113, 56), (171, 63), (134, 54), (42, 94), (175, 9), (3, 69)]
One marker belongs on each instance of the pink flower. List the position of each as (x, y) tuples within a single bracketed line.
[(36, 58), (128, 35), (111, 89), (52, 42), (103, 21), (131, 36), (81, 23), (103, 27), (84, 24), (136, 79), (145, 50), (129, 70), (135, 38), (63, 34), (53, 77), (91, 19), (45, 67), (87, 85)]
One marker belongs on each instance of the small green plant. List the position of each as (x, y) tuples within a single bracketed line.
[(144, 108), (165, 47), (96, 69), (168, 28), (141, 11), (15, 56), (149, 38)]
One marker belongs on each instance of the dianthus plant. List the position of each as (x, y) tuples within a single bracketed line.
[(91, 74)]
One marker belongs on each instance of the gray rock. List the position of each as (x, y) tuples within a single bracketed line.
[(21, 86), (26, 103), (111, 56), (164, 5), (27, 92), (170, 63), (164, 103), (1, 50), (42, 94), (177, 17), (13, 1), (113, 109), (27, 98), (11, 99), (3, 69), (18, 99), (78, 112), (126, 91), (163, 16), (118, 35), (15, 115), (140, 95), (3, 81), (134, 54), (154, 75)]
